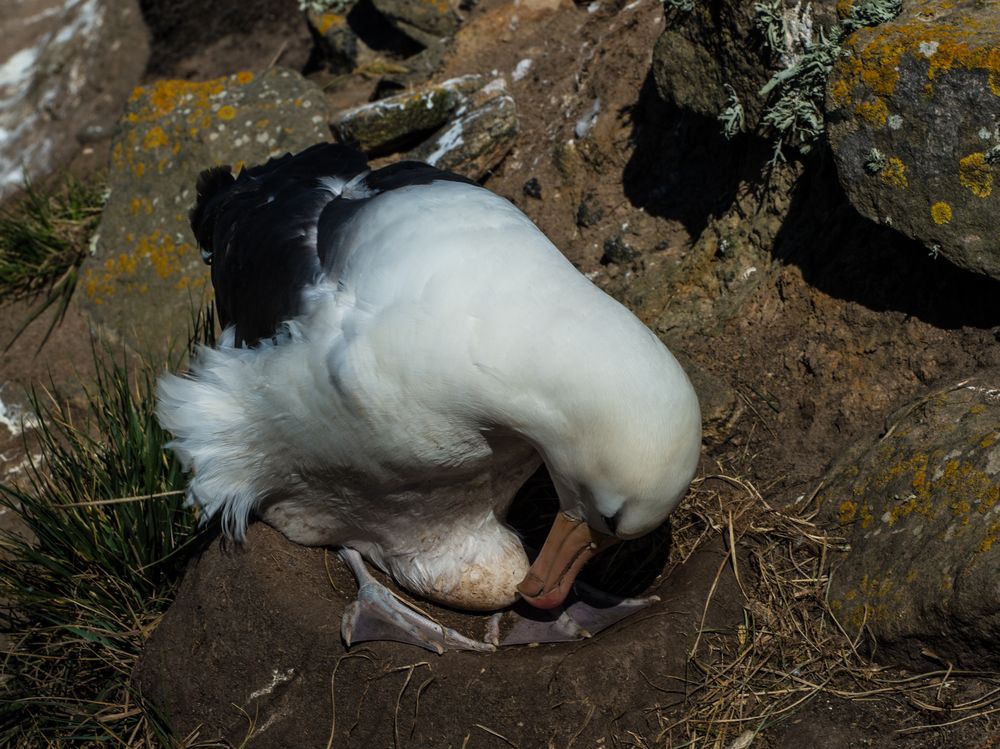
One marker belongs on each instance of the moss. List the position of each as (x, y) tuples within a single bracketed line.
[(976, 175)]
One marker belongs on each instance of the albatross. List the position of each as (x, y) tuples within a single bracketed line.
[(401, 349)]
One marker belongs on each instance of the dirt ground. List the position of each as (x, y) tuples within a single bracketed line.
[(817, 323)]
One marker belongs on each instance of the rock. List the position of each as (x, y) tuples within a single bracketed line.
[(479, 137), (532, 189), (66, 68), (426, 21), (357, 33), (920, 508), (589, 212), (383, 125), (913, 121), (336, 42), (617, 250), (146, 274), (715, 45), (257, 628)]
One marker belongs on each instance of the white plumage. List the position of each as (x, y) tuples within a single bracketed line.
[(442, 350)]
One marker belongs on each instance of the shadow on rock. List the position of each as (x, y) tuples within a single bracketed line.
[(843, 254), (682, 167)]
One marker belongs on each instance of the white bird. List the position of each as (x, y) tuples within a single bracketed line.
[(400, 349)]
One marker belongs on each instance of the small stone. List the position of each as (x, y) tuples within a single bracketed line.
[(617, 251), (532, 188), (589, 212)]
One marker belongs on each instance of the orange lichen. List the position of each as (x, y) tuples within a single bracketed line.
[(157, 250), (155, 137), (244, 77), (974, 173), (895, 173), (941, 213), (875, 112), (848, 510), (327, 21), (945, 46)]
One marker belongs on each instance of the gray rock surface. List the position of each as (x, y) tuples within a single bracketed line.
[(914, 122), (66, 69), (718, 44), (920, 509), (380, 124), (481, 134), (146, 274)]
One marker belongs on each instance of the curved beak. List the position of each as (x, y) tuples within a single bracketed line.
[(569, 545)]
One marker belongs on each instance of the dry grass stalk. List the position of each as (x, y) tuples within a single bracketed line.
[(790, 647)]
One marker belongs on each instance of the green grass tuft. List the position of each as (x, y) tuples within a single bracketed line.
[(44, 236), (107, 536)]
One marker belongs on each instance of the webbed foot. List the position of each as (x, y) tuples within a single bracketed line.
[(378, 614), (584, 615)]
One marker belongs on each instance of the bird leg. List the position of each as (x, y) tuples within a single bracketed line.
[(379, 614)]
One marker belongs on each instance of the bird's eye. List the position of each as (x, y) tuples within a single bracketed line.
[(612, 522)]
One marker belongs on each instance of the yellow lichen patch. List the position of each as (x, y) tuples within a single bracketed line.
[(226, 113), (328, 20), (875, 112), (140, 169), (841, 92), (988, 441), (141, 205), (244, 77), (991, 537), (155, 137), (848, 510), (866, 516), (941, 213), (157, 250), (894, 174), (979, 408), (974, 173), (945, 47), (163, 97), (844, 8)]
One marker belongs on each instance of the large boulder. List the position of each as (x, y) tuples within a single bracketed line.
[(255, 631), (920, 509), (715, 45), (66, 70), (913, 112), (146, 276)]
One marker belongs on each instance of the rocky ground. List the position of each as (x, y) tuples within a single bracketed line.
[(805, 327)]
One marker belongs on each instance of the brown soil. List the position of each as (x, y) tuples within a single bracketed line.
[(840, 323)]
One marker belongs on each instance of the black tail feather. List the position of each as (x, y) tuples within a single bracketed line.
[(212, 185)]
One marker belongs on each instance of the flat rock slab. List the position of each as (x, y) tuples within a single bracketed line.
[(920, 508), (257, 629), (913, 113), (66, 69), (146, 276)]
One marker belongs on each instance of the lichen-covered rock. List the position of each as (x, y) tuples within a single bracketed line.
[(920, 508), (715, 45), (426, 21), (146, 274), (481, 134), (66, 69), (913, 120), (354, 34), (380, 125)]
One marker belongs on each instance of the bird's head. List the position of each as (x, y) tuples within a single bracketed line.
[(618, 479)]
